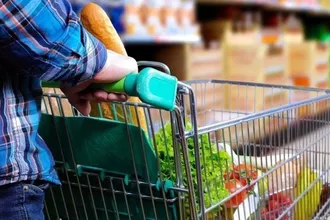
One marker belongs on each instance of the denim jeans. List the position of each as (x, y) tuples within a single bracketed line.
[(22, 201)]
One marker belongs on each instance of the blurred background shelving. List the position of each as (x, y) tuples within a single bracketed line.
[(283, 42)]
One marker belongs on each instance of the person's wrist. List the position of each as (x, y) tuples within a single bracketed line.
[(116, 67)]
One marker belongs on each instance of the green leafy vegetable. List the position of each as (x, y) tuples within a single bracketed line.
[(214, 163)]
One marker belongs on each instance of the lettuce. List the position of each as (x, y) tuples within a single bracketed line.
[(214, 163)]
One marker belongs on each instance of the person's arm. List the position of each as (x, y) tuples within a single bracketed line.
[(46, 39)]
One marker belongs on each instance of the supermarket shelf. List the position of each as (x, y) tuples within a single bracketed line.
[(314, 10), (166, 39), (232, 2), (274, 69)]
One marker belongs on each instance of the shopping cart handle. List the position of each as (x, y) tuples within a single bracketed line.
[(108, 87), (150, 85)]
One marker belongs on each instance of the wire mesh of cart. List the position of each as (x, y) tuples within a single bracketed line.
[(229, 150)]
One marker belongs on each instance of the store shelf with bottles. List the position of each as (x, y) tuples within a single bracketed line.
[(161, 39), (155, 30), (313, 7), (151, 21)]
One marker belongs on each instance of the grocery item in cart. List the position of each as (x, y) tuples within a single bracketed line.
[(283, 174), (325, 195), (97, 22), (219, 160), (308, 204), (284, 177), (275, 205)]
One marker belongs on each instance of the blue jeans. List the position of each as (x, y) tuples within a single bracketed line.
[(22, 201)]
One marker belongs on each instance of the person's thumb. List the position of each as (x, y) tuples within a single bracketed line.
[(116, 67)]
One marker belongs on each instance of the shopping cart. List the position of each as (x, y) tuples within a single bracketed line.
[(229, 150)]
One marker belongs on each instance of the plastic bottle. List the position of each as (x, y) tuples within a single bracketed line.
[(186, 17), (153, 22), (169, 14), (132, 18)]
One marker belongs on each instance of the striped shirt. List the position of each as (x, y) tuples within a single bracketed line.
[(39, 40)]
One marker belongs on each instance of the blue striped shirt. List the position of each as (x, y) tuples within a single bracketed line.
[(39, 40)]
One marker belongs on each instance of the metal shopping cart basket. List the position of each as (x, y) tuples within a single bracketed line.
[(230, 150)]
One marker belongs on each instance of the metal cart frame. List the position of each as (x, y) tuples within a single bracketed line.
[(276, 126)]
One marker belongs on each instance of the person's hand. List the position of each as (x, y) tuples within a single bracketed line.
[(117, 67)]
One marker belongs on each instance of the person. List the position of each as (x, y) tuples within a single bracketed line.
[(43, 40)]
